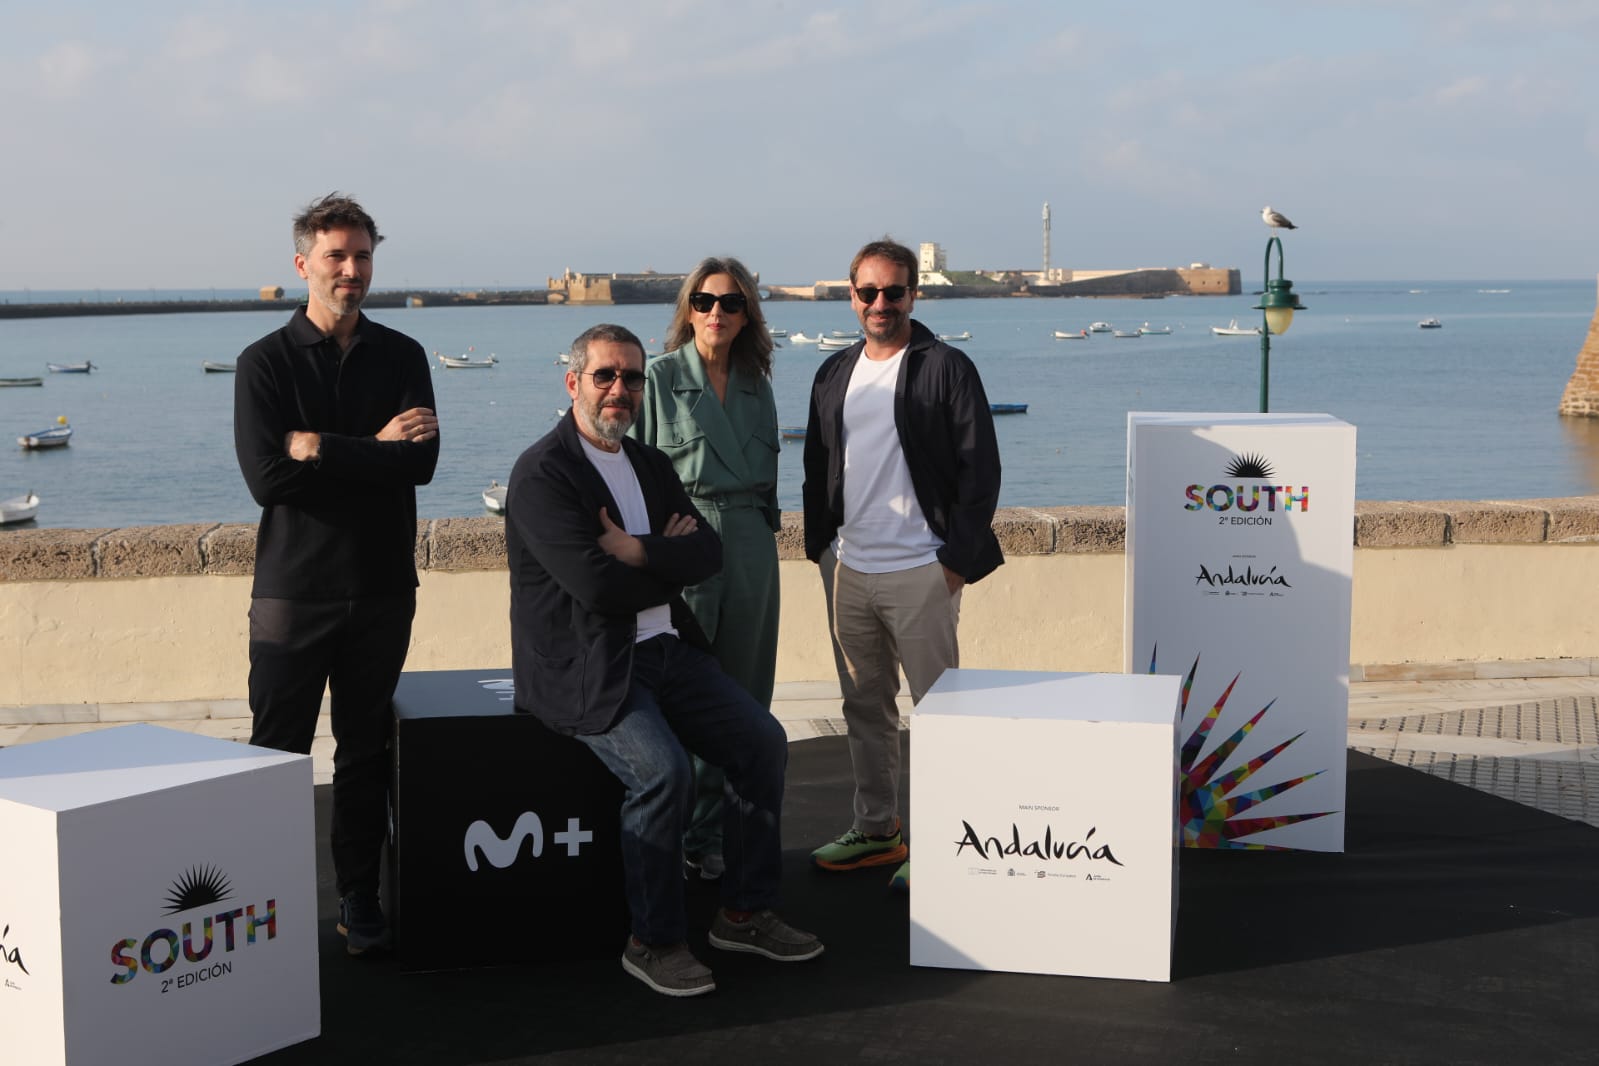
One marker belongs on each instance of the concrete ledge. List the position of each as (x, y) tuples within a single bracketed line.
[(475, 544)]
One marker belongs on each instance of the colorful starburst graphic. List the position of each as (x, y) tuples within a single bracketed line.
[(1211, 800)]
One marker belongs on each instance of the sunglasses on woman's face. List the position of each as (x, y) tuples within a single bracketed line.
[(732, 302)]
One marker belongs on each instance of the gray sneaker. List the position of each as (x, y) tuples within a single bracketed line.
[(764, 934), (671, 970)]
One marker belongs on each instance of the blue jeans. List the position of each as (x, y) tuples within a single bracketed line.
[(680, 701)]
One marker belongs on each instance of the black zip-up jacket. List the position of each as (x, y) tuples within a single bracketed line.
[(343, 526), (947, 434)]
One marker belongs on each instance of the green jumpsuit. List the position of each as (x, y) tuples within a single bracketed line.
[(726, 455)]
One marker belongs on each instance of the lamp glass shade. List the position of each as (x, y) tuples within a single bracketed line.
[(1278, 319)]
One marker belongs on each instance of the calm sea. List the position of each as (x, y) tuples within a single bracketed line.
[(1462, 412)]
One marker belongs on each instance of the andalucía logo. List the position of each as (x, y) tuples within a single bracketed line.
[(1247, 498), (205, 889), (1045, 847)]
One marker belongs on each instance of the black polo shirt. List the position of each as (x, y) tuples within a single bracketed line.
[(344, 525)]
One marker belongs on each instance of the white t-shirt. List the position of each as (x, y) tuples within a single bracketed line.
[(622, 480), (884, 530)]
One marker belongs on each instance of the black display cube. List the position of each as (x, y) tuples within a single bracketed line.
[(505, 836)]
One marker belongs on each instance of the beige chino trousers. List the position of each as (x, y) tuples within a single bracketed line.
[(880, 623)]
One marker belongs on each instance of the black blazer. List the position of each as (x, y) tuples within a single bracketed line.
[(574, 609)]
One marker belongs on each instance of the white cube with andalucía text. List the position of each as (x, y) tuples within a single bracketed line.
[(1043, 810), (157, 900)]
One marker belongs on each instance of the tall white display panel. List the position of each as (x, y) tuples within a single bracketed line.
[(157, 900), (1240, 549), (1043, 807)]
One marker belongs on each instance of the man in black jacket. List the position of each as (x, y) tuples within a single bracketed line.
[(334, 429), (601, 539), (901, 482)]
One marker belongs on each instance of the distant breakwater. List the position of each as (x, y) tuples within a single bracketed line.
[(398, 298)]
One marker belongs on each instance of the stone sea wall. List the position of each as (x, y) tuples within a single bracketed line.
[(158, 613)]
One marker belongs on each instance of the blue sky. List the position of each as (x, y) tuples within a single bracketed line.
[(166, 145)]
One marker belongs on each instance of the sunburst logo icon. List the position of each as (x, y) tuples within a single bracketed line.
[(200, 886), (1212, 800), (1252, 466)]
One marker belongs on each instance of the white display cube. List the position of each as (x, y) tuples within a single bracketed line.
[(1044, 814), (157, 900)]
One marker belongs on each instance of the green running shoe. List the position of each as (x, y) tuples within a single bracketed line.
[(855, 850)]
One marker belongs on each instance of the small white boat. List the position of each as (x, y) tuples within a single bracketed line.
[(1233, 329), (1154, 331), (54, 437), (1430, 323), (775, 332), (71, 368), (466, 362), (964, 335), (800, 338), (1100, 327), (1125, 333), (851, 334), (833, 344), (19, 509), (564, 359), (1080, 335), (218, 368), (494, 497)]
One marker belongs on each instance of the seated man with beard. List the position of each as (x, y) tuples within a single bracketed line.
[(601, 538)]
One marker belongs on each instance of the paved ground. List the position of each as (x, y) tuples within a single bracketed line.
[(1534, 740)]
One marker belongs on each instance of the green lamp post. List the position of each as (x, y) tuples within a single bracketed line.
[(1277, 306)]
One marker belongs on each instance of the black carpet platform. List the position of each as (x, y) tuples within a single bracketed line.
[(1458, 928)]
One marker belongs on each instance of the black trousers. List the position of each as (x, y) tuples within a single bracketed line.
[(355, 649)]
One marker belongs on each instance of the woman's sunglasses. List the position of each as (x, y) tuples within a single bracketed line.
[(732, 302)]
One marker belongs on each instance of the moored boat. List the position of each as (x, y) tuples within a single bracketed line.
[(1062, 335), (22, 508), (1125, 333), (1430, 323), (20, 383), (1154, 331), (466, 362), (54, 437), (494, 497), (964, 335), (1007, 408), (832, 344), (213, 367), (775, 332), (791, 432), (1099, 327), (800, 338), (1233, 329), (71, 368)]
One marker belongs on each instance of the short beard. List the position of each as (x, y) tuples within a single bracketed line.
[(610, 430), (341, 307)]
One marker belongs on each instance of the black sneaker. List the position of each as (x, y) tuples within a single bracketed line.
[(672, 970), (361, 923)]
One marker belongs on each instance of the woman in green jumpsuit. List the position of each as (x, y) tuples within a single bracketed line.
[(708, 405)]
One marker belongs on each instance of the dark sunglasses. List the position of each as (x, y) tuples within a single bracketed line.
[(893, 294), (605, 377), (732, 302)]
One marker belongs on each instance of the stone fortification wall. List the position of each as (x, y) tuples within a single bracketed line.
[(1582, 391), (158, 614)]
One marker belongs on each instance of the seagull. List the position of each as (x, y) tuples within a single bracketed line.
[(1275, 219)]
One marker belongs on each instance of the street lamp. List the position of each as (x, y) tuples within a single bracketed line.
[(1277, 306)]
